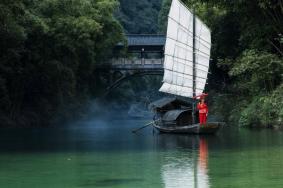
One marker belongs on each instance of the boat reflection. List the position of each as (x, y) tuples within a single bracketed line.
[(203, 164), (187, 166)]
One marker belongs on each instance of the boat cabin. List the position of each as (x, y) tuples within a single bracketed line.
[(172, 111)]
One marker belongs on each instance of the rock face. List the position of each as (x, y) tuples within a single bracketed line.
[(139, 111)]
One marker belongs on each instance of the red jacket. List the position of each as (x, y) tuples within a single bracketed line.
[(203, 109)]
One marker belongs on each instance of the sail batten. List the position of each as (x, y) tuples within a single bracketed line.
[(186, 74), (182, 54), (189, 61), (186, 86)]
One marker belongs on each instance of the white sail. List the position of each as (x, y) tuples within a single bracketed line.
[(178, 55)]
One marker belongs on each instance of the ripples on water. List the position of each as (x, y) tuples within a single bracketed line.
[(106, 154)]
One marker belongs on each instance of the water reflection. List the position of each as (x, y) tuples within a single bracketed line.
[(187, 167), (203, 164), (107, 154)]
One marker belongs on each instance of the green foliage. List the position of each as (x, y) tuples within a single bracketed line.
[(249, 116), (264, 110), (163, 14), (139, 16), (48, 54), (257, 71)]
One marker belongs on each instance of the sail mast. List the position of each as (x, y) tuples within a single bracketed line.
[(186, 54), (194, 67)]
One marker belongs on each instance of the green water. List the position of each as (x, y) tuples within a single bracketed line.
[(106, 154)]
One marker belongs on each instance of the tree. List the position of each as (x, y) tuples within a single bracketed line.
[(49, 51), (139, 17)]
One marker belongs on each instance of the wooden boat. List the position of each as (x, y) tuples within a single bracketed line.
[(174, 115), (186, 65), (208, 128)]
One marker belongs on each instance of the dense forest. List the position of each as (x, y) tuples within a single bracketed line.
[(48, 54), (139, 16), (246, 84), (50, 48)]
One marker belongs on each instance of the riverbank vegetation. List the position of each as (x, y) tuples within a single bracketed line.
[(246, 84), (49, 49)]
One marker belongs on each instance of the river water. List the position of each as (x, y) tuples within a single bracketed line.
[(104, 153)]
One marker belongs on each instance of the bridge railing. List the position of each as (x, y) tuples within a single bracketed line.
[(137, 61)]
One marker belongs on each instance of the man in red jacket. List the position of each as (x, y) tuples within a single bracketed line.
[(203, 111)]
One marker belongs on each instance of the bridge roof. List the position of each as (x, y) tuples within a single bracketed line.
[(145, 40)]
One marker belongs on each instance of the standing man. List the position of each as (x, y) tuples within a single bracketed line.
[(203, 111)]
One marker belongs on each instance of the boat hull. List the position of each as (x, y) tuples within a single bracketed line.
[(208, 128)]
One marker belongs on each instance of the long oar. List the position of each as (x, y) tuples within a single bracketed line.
[(136, 130)]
